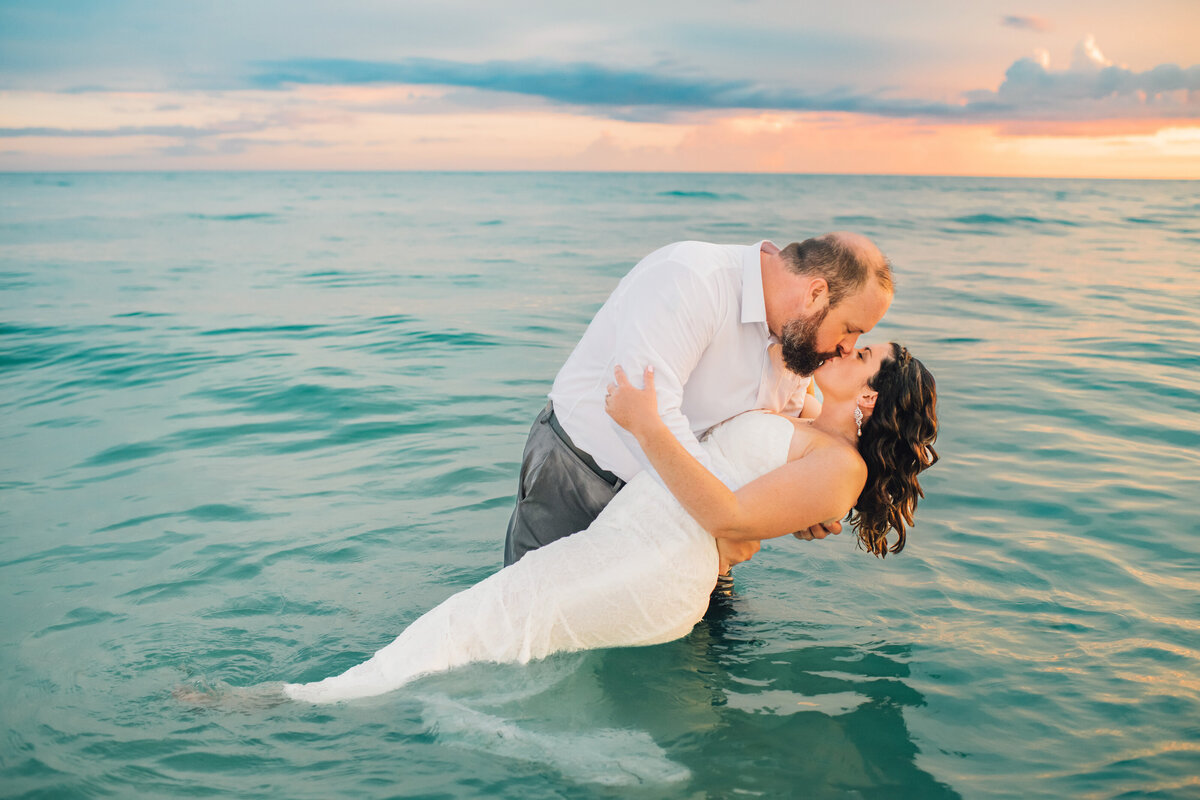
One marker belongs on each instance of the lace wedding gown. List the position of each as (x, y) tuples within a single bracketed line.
[(641, 574)]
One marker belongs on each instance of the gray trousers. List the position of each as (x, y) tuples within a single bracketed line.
[(560, 492)]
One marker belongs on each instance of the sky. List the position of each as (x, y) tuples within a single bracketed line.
[(930, 87)]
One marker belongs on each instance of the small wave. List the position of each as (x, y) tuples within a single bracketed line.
[(233, 217), (80, 617), (700, 195), (125, 452), (313, 399), (11, 281), (13, 329), (1013, 220), (124, 550), (412, 343), (392, 319), (212, 512), (298, 328), (344, 279)]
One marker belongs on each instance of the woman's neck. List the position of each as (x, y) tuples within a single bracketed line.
[(837, 419)]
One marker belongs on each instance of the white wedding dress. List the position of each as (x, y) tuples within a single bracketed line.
[(641, 574)]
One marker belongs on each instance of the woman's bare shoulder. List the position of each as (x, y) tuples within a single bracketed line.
[(807, 440)]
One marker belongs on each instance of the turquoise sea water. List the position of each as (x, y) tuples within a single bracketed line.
[(251, 425)]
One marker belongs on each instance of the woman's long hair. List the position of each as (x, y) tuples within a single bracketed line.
[(897, 444)]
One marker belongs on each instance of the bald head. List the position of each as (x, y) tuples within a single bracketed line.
[(847, 262)]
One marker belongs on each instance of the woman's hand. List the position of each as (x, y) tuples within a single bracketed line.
[(733, 552), (632, 408)]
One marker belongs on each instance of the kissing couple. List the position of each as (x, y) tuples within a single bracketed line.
[(681, 432)]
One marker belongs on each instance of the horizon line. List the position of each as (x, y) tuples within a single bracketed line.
[(200, 170)]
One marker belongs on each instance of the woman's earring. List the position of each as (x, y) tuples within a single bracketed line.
[(858, 418)]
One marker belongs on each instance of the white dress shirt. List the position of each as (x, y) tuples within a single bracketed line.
[(695, 311)]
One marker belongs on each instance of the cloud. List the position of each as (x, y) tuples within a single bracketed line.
[(344, 92), (1093, 88), (240, 125), (175, 131), (1026, 23), (231, 146), (618, 91), (1086, 57)]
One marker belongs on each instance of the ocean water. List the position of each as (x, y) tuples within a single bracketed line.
[(251, 425)]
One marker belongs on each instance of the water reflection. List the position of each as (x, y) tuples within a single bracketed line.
[(717, 713), (828, 719)]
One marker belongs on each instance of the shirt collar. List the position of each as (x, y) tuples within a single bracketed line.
[(754, 307)]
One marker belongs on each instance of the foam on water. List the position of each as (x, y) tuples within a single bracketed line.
[(606, 756), (253, 425)]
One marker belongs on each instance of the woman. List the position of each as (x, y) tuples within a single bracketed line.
[(643, 572)]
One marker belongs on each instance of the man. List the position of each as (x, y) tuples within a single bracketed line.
[(727, 328)]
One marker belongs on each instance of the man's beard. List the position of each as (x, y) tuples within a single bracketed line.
[(799, 342)]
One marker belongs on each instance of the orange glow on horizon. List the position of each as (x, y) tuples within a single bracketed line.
[(414, 127)]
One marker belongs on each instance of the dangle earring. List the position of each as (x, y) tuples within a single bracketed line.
[(858, 418)]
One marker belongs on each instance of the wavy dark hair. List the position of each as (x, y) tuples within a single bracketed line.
[(897, 444)]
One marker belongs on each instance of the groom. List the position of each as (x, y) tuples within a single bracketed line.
[(728, 328)]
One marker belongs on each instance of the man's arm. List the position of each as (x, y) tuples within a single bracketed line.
[(812, 406), (670, 316)]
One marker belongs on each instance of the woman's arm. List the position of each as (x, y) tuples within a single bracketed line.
[(798, 495)]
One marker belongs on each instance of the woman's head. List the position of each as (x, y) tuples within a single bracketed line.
[(897, 445)]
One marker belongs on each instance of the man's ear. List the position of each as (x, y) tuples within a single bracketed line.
[(816, 295)]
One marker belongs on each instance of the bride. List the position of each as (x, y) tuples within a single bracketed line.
[(643, 572)]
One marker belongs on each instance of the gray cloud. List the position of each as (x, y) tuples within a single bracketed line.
[(1026, 23), (233, 145), (617, 90), (1091, 89), (173, 131), (191, 133)]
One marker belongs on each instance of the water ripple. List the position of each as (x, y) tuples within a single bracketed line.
[(254, 424)]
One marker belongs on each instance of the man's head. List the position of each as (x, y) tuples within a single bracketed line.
[(826, 293)]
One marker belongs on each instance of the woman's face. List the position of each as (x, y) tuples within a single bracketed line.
[(847, 376)]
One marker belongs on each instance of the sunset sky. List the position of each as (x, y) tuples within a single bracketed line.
[(1088, 89)]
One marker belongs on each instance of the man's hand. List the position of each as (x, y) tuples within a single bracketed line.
[(733, 551), (830, 527)]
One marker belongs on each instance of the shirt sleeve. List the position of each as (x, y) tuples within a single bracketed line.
[(670, 314), (795, 403)]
